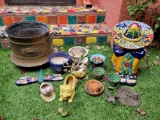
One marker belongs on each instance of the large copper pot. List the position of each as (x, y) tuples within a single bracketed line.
[(30, 43)]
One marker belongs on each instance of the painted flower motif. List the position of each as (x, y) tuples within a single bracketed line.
[(127, 64)]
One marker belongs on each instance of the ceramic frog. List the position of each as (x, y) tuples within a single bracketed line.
[(67, 90)]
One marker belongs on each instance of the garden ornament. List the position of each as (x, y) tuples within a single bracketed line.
[(97, 60), (113, 80), (94, 87), (78, 69), (130, 39), (67, 90), (47, 93), (111, 98), (128, 97), (29, 80)]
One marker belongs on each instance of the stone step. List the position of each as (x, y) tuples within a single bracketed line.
[(51, 15), (80, 34), (76, 34)]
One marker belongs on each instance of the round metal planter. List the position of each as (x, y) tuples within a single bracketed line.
[(30, 43)]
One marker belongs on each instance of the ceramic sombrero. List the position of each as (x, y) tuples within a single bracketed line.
[(132, 34)]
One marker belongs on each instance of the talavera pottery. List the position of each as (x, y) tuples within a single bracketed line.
[(98, 73), (47, 93), (113, 80), (57, 61), (132, 34), (67, 90), (77, 52), (94, 87)]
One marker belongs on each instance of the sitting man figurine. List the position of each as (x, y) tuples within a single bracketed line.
[(67, 90), (129, 43)]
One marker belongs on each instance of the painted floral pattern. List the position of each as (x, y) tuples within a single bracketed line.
[(127, 64)]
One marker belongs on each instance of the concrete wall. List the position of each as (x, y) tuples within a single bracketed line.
[(1, 2), (113, 8)]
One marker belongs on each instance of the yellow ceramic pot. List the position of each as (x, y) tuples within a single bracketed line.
[(79, 73)]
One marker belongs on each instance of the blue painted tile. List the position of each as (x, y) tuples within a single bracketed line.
[(72, 20), (100, 19), (69, 41), (1, 22), (102, 39), (30, 18)]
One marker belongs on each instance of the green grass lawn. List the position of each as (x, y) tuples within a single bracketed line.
[(25, 103)]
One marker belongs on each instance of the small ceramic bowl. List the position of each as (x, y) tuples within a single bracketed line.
[(113, 80), (98, 73), (76, 53), (97, 63), (57, 61), (94, 87)]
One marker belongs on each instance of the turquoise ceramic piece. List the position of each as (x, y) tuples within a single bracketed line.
[(97, 64), (98, 73), (1, 22), (113, 80), (72, 20), (40, 76), (102, 39), (30, 18), (69, 41)]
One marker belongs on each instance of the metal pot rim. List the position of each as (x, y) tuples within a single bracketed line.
[(8, 27)]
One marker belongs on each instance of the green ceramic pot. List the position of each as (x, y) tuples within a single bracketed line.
[(98, 73), (113, 80)]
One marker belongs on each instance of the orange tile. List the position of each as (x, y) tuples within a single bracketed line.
[(81, 19), (41, 19), (90, 19), (8, 20), (52, 20), (62, 20), (18, 18)]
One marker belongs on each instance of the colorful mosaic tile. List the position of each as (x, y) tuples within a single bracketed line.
[(90, 19), (8, 20), (1, 22), (81, 19), (58, 42), (30, 18), (100, 19), (62, 20), (109, 38), (91, 40), (80, 40), (18, 18), (77, 29), (52, 19), (52, 9), (41, 19), (68, 41), (102, 39), (72, 20)]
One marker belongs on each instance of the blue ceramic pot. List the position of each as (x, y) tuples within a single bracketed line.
[(97, 64)]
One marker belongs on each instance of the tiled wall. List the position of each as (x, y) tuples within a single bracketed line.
[(51, 19), (77, 40), (69, 40)]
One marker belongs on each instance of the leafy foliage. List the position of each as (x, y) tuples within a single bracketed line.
[(138, 10)]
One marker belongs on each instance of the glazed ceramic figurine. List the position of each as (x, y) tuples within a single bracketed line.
[(67, 90), (130, 39), (79, 70)]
